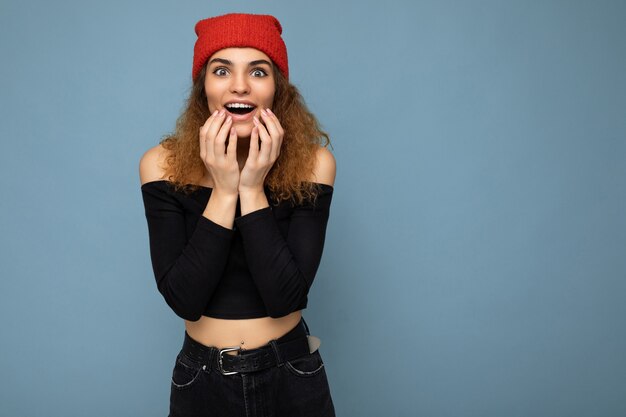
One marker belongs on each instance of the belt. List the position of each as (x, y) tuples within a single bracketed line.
[(275, 353)]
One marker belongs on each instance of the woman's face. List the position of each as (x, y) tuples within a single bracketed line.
[(239, 75)]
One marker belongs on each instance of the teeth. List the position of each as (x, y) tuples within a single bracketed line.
[(239, 106)]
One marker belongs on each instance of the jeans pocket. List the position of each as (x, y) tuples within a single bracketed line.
[(185, 372), (306, 366)]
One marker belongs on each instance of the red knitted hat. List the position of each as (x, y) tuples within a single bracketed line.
[(239, 30)]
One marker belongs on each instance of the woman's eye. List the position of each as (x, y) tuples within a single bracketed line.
[(256, 72)]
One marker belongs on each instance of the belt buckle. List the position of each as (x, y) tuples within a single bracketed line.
[(219, 363)]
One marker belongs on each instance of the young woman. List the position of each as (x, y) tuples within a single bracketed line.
[(237, 202)]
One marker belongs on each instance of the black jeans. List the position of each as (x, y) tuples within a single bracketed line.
[(296, 388)]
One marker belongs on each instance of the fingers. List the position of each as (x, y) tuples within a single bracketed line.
[(220, 162), (273, 125), (220, 138), (215, 127), (205, 128), (206, 149), (276, 132), (266, 143), (232, 145), (253, 152), (213, 135)]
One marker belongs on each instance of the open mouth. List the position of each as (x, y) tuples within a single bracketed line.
[(239, 108)]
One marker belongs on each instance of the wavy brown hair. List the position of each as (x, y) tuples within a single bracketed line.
[(289, 176)]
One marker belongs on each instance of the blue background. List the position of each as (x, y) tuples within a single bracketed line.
[(474, 263)]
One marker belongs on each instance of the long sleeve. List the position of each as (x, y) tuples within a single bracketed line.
[(283, 267), (187, 269)]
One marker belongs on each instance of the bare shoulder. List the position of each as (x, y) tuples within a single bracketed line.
[(325, 167), (152, 164)]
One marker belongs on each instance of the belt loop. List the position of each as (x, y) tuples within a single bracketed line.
[(279, 359), (212, 358)]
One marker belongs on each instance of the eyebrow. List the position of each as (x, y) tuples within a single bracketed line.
[(251, 64)]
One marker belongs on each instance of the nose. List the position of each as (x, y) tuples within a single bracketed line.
[(239, 84)]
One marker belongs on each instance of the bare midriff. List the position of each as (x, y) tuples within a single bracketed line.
[(246, 333)]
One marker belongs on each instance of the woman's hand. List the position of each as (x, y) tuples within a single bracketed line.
[(219, 161), (260, 161)]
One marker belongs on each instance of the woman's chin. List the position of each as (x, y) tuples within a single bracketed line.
[(244, 130)]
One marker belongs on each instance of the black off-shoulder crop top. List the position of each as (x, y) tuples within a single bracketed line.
[(264, 266)]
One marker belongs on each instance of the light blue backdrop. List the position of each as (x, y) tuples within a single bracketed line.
[(474, 263)]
